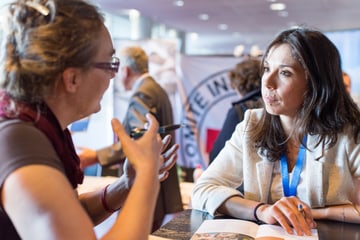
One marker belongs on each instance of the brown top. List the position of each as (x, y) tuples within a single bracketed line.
[(22, 144)]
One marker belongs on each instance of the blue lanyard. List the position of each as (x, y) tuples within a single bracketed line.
[(290, 190)]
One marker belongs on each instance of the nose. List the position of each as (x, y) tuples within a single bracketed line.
[(269, 80), (112, 74)]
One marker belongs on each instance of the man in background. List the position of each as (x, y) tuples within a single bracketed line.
[(148, 97)]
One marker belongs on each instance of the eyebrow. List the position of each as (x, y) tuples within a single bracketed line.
[(286, 65), (282, 65)]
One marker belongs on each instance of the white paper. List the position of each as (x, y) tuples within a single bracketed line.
[(242, 229), (152, 237)]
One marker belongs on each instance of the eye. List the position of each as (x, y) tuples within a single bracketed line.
[(266, 69), (285, 73), (112, 65)]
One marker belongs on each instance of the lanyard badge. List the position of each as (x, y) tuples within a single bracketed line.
[(290, 188)]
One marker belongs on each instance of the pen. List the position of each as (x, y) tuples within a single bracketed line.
[(138, 132)]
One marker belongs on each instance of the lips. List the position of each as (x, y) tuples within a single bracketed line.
[(270, 99)]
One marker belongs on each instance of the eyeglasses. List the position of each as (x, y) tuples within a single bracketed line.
[(113, 65)]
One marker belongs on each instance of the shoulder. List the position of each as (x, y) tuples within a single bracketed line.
[(148, 83), (254, 115), (22, 131), (347, 140), (18, 136), (244, 129), (151, 92), (232, 113), (22, 144)]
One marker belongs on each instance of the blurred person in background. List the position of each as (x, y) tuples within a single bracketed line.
[(148, 97), (245, 79)]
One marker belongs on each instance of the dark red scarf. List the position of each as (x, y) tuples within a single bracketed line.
[(45, 121)]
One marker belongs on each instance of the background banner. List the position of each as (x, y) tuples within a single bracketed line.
[(206, 97)]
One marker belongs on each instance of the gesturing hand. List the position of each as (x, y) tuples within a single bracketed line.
[(144, 153), (169, 158)]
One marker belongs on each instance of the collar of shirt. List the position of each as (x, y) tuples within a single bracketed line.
[(140, 80)]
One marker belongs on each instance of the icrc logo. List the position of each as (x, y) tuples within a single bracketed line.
[(204, 113)]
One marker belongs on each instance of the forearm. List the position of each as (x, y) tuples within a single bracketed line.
[(344, 213), (136, 216), (115, 197), (238, 207)]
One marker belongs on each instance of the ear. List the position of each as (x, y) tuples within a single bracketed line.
[(126, 71), (71, 79)]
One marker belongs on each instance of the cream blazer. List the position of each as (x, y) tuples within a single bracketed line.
[(327, 175)]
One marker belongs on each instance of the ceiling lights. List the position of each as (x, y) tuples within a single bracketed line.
[(203, 16), (223, 26), (179, 3), (277, 6), (193, 36)]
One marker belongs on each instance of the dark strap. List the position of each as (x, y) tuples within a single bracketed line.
[(240, 109)]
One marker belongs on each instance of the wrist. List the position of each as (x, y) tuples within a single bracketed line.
[(104, 201), (148, 176), (126, 181), (256, 210), (318, 213)]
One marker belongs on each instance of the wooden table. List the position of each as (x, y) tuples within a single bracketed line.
[(184, 225)]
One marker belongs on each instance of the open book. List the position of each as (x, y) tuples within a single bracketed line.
[(152, 237), (240, 229)]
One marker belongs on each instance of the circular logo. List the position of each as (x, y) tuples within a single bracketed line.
[(204, 112)]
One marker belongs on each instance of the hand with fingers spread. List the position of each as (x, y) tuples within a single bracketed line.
[(142, 167), (168, 160), (140, 157), (286, 212)]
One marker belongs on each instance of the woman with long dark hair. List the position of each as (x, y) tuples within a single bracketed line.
[(299, 157)]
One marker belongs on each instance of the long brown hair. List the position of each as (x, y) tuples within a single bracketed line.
[(327, 107)]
